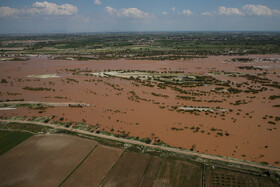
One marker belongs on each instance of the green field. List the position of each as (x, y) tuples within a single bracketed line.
[(24, 126), (145, 46), (9, 139)]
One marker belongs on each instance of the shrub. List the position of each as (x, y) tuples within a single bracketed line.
[(4, 81)]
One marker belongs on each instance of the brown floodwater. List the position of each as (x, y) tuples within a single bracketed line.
[(250, 135)]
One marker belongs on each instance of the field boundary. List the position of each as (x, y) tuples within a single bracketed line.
[(169, 149), (77, 167), (18, 130), (111, 168), (145, 171)]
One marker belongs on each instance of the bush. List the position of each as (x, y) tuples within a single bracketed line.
[(4, 81)]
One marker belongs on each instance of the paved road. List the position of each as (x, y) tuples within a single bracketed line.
[(186, 152)]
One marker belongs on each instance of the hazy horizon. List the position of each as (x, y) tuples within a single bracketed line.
[(134, 32)]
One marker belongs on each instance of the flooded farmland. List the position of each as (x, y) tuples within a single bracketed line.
[(219, 105)]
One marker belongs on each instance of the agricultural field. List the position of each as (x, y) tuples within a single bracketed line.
[(178, 173), (29, 163), (223, 177), (9, 139), (100, 162), (102, 159), (130, 169)]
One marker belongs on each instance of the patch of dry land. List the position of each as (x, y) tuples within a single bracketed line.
[(95, 167), (46, 76), (43, 160), (221, 105)]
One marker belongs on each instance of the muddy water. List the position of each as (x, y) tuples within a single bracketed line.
[(250, 137)]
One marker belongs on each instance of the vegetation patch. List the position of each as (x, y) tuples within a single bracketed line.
[(9, 139), (4, 81), (36, 89), (273, 97)]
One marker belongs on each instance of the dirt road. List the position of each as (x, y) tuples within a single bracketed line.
[(186, 152)]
